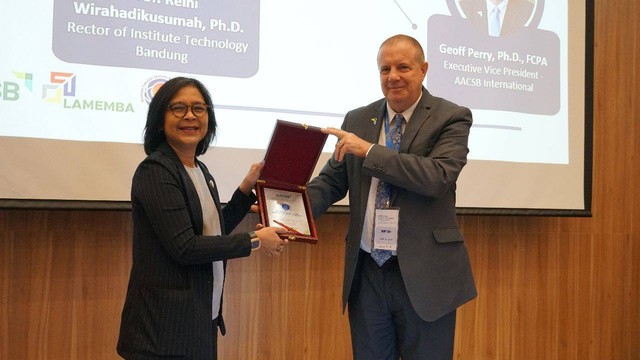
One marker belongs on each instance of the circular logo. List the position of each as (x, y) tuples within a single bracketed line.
[(151, 86)]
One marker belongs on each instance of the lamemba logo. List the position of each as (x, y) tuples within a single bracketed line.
[(62, 89), (60, 84), (99, 105)]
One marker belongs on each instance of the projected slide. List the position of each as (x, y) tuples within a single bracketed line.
[(512, 78), (85, 71), (191, 36)]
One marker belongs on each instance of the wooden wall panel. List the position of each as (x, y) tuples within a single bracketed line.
[(63, 283), (289, 306), (550, 288)]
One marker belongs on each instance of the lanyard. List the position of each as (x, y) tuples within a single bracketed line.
[(387, 137), (389, 144)]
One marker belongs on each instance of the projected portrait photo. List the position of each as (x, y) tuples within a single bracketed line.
[(498, 58), (498, 17)]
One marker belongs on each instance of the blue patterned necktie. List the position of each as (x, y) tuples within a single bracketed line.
[(383, 193), (494, 30)]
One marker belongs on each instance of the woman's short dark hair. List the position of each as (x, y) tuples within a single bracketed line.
[(154, 129)]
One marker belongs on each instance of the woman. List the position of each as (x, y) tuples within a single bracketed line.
[(180, 232)]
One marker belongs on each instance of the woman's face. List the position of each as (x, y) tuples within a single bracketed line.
[(185, 122)]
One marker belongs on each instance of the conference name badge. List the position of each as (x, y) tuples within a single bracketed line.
[(385, 230)]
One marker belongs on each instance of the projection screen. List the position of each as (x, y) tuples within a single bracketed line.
[(76, 78)]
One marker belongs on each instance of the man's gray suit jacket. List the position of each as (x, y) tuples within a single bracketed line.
[(431, 252)]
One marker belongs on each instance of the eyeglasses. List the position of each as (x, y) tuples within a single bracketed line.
[(181, 110)]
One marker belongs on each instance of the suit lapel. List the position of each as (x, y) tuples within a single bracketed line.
[(371, 133), (512, 18), (191, 196), (213, 190), (374, 124), (418, 120)]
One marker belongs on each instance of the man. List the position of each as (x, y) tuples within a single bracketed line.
[(405, 307), (498, 17)]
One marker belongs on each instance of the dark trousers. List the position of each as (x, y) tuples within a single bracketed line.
[(383, 322)]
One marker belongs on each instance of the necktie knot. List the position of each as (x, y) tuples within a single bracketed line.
[(398, 119)]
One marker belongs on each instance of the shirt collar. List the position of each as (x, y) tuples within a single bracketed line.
[(502, 6), (406, 114)]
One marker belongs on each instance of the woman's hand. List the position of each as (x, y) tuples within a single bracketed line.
[(251, 178), (270, 241)]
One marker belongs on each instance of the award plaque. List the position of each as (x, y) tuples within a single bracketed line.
[(283, 201)]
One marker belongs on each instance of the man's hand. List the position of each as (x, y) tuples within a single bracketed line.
[(347, 143)]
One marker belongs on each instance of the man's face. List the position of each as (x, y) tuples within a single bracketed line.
[(401, 74)]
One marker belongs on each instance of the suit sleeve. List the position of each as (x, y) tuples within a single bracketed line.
[(159, 201), (435, 158), (236, 209), (330, 186)]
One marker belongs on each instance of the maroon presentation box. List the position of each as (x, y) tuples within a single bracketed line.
[(283, 200)]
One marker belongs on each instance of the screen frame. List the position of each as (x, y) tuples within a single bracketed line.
[(587, 169)]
